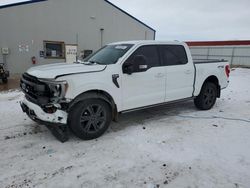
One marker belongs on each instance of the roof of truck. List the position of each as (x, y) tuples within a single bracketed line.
[(147, 42)]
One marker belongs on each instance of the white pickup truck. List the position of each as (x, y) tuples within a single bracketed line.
[(121, 77)]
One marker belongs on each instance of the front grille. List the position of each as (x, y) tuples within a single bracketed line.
[(35, 90)]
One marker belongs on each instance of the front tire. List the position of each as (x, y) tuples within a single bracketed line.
[(89, 119), (207, 97)]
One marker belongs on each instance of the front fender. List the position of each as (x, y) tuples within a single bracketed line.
[(113, 91)]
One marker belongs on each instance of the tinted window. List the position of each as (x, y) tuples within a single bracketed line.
[(173, 55), (149, 54)]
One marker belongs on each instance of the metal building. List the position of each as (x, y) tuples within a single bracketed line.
[(48, 31), (236, 52)]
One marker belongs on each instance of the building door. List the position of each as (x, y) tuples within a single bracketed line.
[(71, 53)]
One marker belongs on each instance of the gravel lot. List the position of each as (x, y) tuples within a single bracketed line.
[(170, 146)]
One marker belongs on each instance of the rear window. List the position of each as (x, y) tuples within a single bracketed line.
[(173, 55)]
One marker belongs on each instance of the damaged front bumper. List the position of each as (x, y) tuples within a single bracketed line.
[(56, 121), (36, 112)]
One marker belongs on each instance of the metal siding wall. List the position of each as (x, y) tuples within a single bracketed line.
[(236, 55), (63, 20), (1, 58)]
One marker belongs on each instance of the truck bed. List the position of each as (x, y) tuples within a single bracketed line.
[(209, 68)]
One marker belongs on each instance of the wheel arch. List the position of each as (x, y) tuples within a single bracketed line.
[(213, 79), (96, 94)]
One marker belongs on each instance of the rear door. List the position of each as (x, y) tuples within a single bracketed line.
[(146, 85), (179, 72)]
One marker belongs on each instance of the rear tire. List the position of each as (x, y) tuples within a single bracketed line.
[(5, 80), (207, 97), (89, 119)]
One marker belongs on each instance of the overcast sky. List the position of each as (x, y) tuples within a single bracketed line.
[(191, 19)]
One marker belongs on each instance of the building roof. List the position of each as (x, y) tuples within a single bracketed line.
[(20, 3), (35, 1), (219, 43), (129, 15)]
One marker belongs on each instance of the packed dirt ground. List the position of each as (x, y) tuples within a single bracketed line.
[(13, 83)]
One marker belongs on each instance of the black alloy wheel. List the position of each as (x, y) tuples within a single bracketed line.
[(93, 118), (207, 97), (89, 119)]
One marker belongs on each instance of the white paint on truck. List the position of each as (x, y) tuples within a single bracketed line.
[(128, 75)]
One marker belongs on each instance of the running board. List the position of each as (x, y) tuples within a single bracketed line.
[(155, 105)]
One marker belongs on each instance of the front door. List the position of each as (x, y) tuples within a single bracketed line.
[(144, 83)]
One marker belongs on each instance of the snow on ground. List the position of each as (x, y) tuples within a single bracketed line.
[(170, 146)]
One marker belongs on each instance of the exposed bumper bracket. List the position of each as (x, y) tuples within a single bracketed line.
[(60, 131)]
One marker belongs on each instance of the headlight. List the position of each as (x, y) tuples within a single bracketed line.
[(58, 89)]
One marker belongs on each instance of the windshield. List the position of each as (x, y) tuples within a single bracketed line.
[(108, 54)]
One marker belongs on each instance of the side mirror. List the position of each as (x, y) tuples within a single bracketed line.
[(138, 64), (128, 68)]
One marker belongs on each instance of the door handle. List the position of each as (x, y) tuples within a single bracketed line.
[(188, 72), (143, 67), (159, 75)]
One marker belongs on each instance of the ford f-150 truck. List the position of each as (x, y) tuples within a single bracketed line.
[(121, 77)]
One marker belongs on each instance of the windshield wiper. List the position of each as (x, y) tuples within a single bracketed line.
[(95, 62), (86, 62)]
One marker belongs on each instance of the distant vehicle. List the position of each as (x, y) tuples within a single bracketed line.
[(121, 77), (4, 74)]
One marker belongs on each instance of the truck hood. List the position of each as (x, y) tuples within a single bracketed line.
[(52, 71)]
